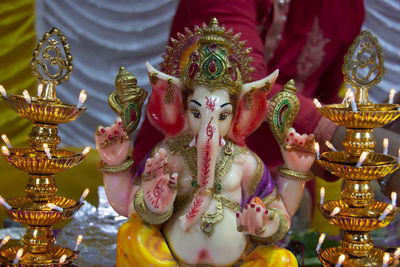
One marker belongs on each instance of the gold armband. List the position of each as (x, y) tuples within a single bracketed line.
[(103, 167), (291, 174), (147, 215), (283, 227)]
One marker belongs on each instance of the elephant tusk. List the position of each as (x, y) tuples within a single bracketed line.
[(193, 142), (222, 141)]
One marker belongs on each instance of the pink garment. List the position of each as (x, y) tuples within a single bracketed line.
[(312, 38)]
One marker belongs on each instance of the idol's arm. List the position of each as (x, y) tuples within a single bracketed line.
[(298, 157)]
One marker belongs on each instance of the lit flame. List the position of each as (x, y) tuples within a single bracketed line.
[(47, 150), (18, 255), (86, 150), (78, 242), (330, 146), (385, 145), (335, 211), (40, 90), (82, 98), (6, 140), (54, 207), (63, 259), (322, 195), (26, 96), (397, 253), (391, 95), (316, 148), (386, 258), (5, 150), (317, 103), (3, 91), (393, 196), (385, 213), (4, 203), (362, 159), (341, 259), (5, 240), (84, 194), (320, 241)]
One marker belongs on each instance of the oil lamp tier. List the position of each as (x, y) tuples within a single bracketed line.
[(41, 208), (357, 213)]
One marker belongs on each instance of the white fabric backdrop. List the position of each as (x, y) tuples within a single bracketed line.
[(383, 20), (103, 36)]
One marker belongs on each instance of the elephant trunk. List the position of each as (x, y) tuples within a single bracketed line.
[(208, 143)]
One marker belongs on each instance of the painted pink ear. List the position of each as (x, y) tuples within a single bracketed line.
[(165, 107), (251, 108)]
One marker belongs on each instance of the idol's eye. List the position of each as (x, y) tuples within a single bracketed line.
[(196, 114), (224, 115)]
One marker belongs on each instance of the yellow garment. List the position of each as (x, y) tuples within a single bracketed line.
[(140, 244), (17, 39)]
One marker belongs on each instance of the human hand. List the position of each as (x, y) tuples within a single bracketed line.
[(159, 188), (298, 151), (112, 143), (254, 218)]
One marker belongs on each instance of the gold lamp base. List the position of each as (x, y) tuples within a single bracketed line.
[(329, 257), (49, 259)]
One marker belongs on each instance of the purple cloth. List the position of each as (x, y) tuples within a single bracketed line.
[(264, 187)]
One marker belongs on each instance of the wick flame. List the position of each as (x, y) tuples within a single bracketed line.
[(322, 195), (5, 151), (47, 150), (335, 211), (316, 148), (393, 196), (84, 194), (6, 140), (54, 207), (86, 150), (385, 145), (362, 159), (386, 258), (340, 261), (386, 212), (82, 98), (27, 96), (62, 259), (5, 240), (330, 146), (3, 91), (397, 253), (18, 255), (317, 103), (78, 242), (391, 95), (320, 241), (4, 203)]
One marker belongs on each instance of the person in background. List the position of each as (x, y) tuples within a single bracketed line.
[(305, 40)]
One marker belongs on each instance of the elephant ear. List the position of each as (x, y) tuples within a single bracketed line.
[(165, 107), (251, 108)]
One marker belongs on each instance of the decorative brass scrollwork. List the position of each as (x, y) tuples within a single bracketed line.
[(48, 53)]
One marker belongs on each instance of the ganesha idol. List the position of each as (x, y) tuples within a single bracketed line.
[(201, 197)]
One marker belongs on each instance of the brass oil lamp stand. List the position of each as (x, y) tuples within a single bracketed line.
[(358, 212), (40, 209)]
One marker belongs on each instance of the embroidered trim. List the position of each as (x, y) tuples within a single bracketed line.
[(271, 197), (312, 55), (256, 177)]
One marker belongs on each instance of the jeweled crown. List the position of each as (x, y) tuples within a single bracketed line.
[(210, 56)]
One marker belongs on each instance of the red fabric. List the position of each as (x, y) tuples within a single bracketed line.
[(340, 22)]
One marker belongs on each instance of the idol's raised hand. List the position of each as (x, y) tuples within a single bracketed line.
[(112, 143), (158, 186), (298, 152)]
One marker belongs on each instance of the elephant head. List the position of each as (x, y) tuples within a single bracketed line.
[(207, 96)]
